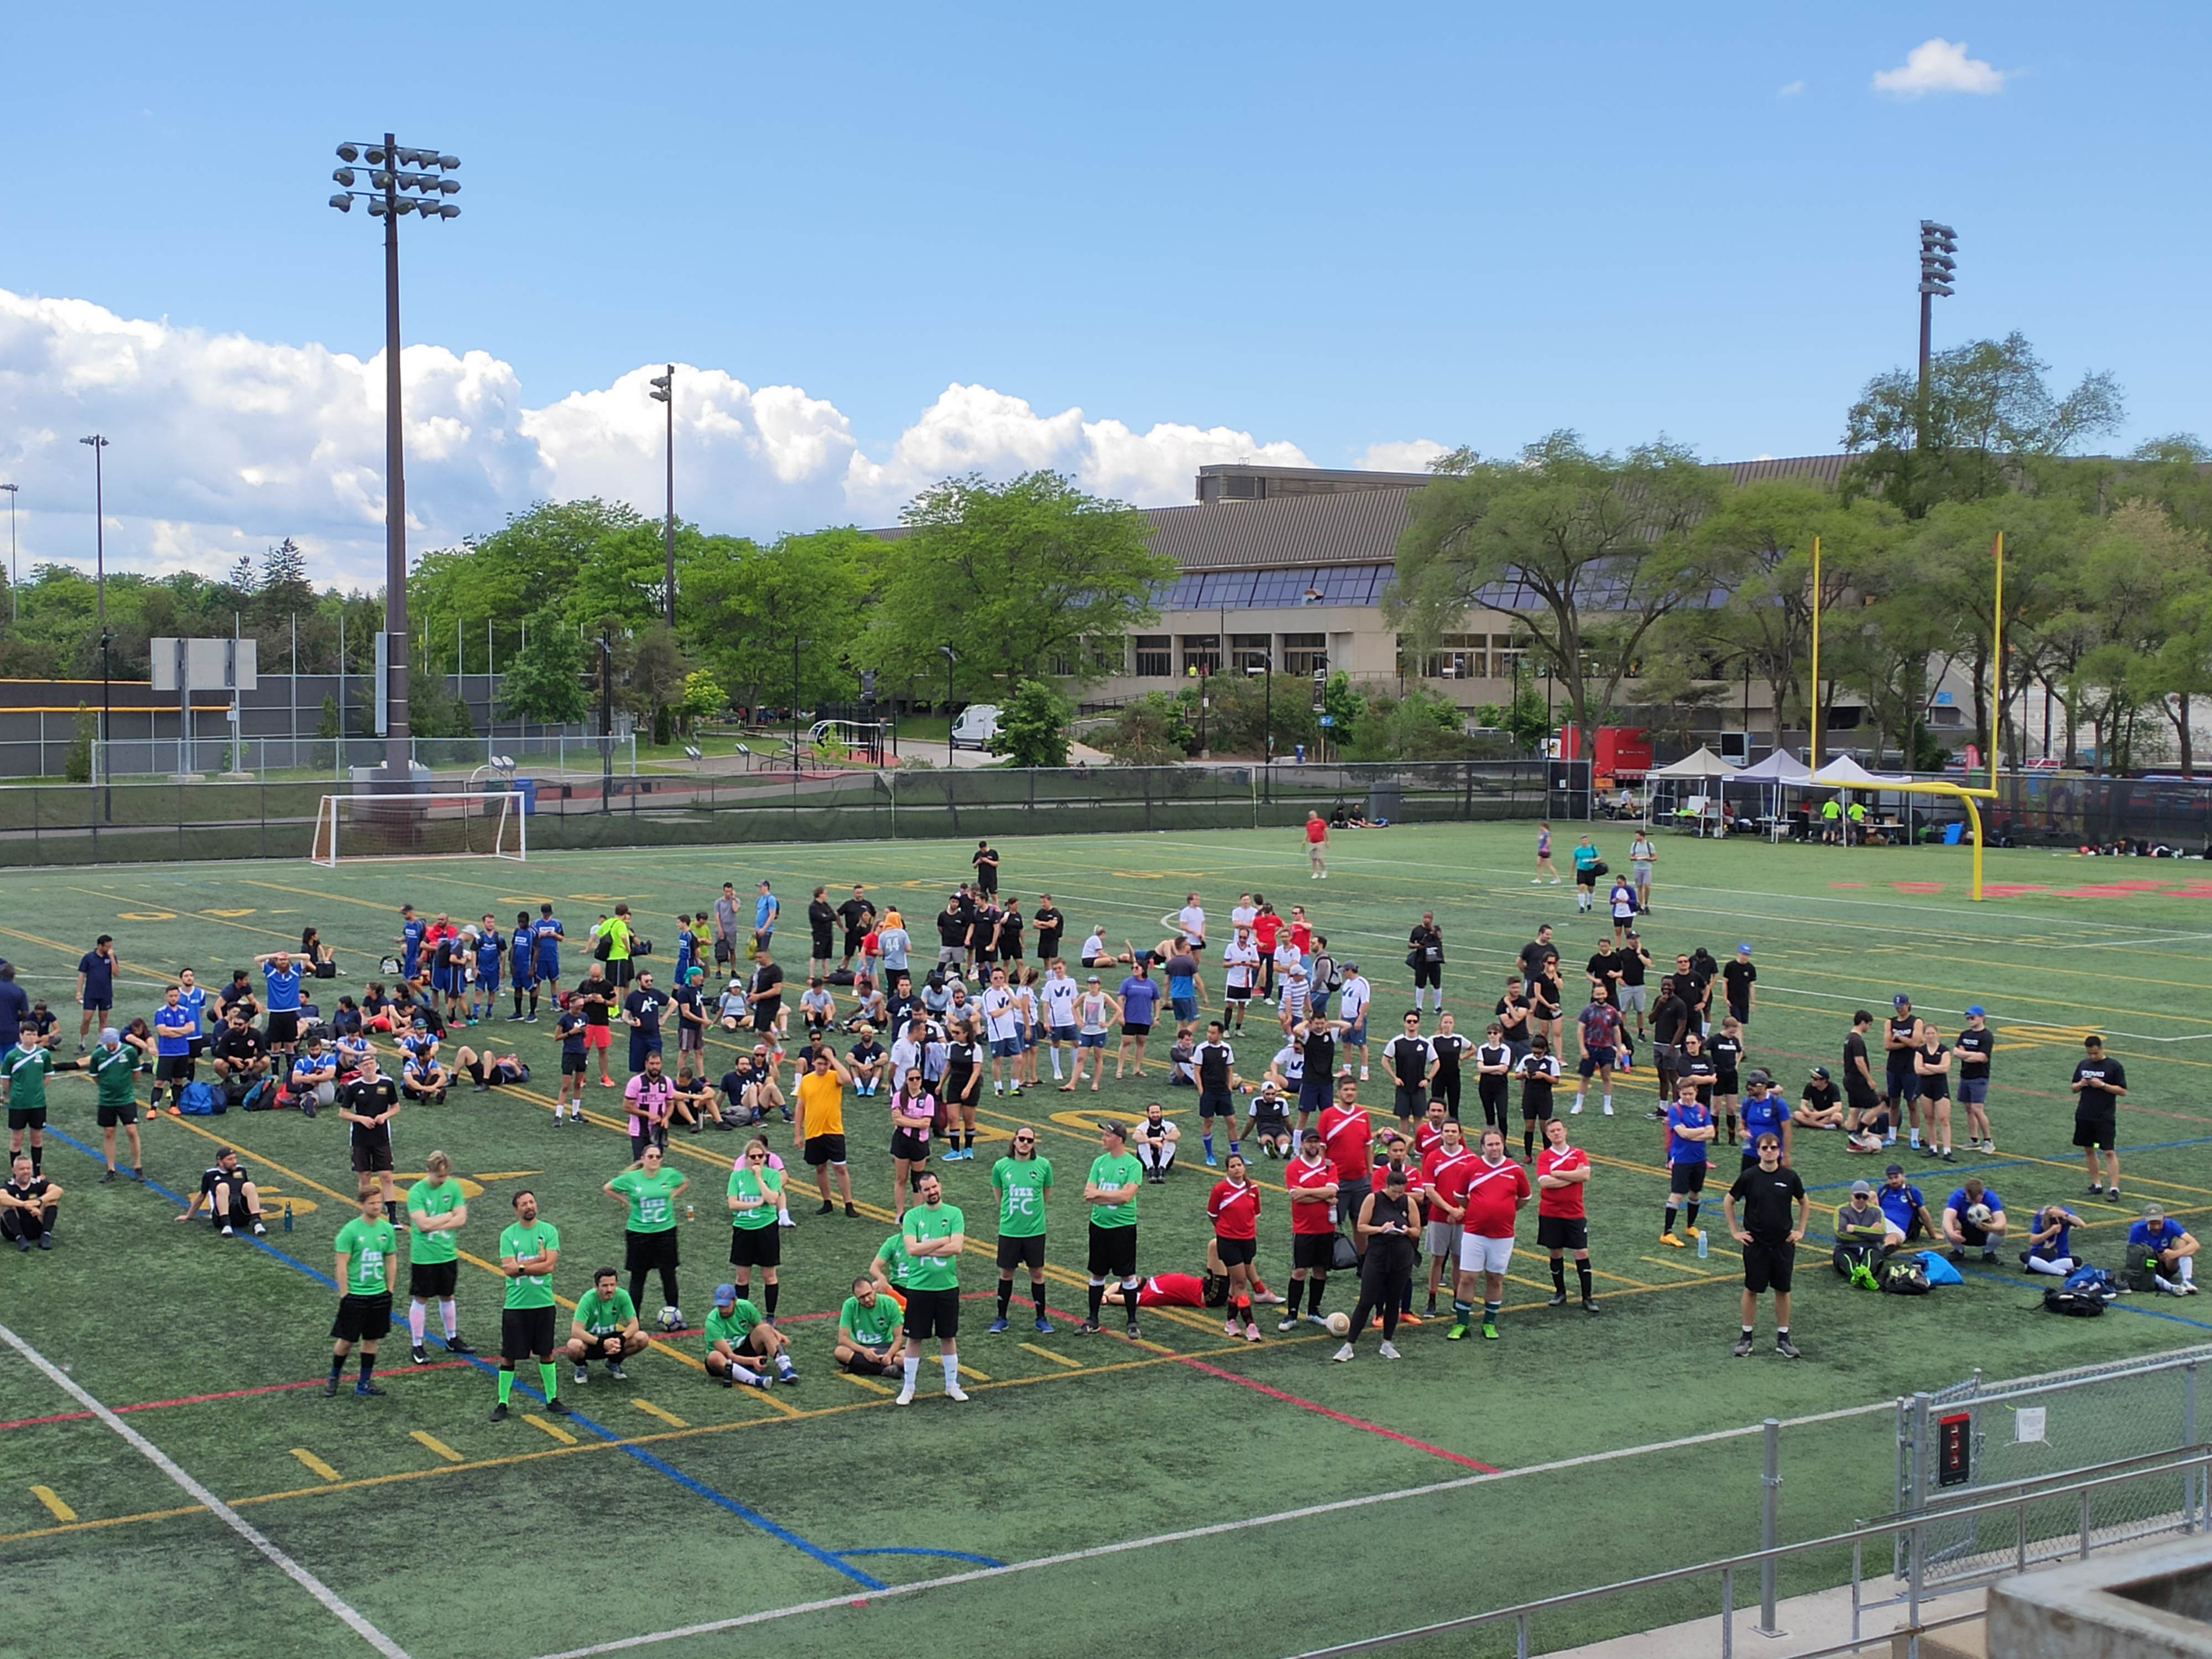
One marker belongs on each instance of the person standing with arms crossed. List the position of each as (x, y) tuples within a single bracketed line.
[(1310, 1178), (365, 1248), (436, 1210), (1496, 1190), (933, 1233), (1111, 1190), (1388, 1222), (1975, 1045), (1024, 1182), (1233, 1207), (529, 1250), (1563, 1174), (1774, 1210), (95, 985)]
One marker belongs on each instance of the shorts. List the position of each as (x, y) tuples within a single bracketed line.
[(1563, 1232), (1410, 1100), (1113, 1252), (641, 1045), (1903, 1086), (1586, 877), (1973, 1090), (1313, 1253), (825, 1149), (2100, 1130), (1091, 1040), (909, 1146), (1861, 1100), (1739, 1012), (1533, 1110), (284, 1027), (1429, 974), (373, 1156), (1726, 1083), (1268, 1124), (645, 1252), (1768, 1267), (821, 943), (1184, 1007), (1005, 1048), (433, 1280), (622, 972), (1355, 1035), (766, 1013), (1932, 1091), (1478, 1253), (1021, 1253), (1235, 1252), (599, 1037), (1596, 1057), (546, 970), (690, 1041), (1636, 998), (98, 1007), (756, 1247), (111, 1115), (933, 1313), (362, 1318), (172, 1069), (524, 1332), (33, 1118), (1136, 1028), (1313, 1094), (1237, 993), (572, 1064), (1440, 1239), (1062, 1034), (1216, 1102), (1686, 1180)]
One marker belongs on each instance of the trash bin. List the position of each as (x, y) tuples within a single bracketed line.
[(1301, 754), (527, 788), (1386, 801)]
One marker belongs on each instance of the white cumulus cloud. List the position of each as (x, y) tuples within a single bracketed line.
[(1407, 455), (1940, 65)]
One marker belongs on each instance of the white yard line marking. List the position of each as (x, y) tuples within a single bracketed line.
[(200, 1494)]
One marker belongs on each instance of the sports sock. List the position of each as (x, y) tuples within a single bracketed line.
[(1558, 1275), (1235, 1149), (449, 1316), (1461, 1310), (912, 1366), (1037, 1296), (415, 1312), (367, 1365), (1129, 1289), (549, 1378), (38, 1160), (1746, 1333), (1528, 1144), (1690, 1216), (1097, 1297), (1668, 1226), (506, 1384), (338, 1367), (1583, 1272), (1490, 1312), (1781, 1333), (952, 1363), (1609, 1100), (1297, 1295), (1578, 1100), (1005, 1295), (1315, 1286), (1206, 1139), (768, 1297)]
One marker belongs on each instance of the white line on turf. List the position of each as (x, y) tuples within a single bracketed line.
[(1213, 1530), (200, 1494)]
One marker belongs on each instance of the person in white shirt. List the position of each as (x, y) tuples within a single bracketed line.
[(1294, 988), (1353, 998), (1240, 963), (907, 1050), (892, 944), (1094, 1010), (1190, 921), (1243, 912), (1154, 1140), (1029, 1006), (1002, 1019)]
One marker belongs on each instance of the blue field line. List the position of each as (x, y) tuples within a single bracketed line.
[(750, 1516), (949, 1555), (1960, 1171)]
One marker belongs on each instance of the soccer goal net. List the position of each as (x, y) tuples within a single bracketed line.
[(491, 825)]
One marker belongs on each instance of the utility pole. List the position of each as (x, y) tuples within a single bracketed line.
[(664, 391), (99, 581)]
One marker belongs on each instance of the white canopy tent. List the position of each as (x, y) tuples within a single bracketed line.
[(1844, 772), (1780, 767), (1702, 767)]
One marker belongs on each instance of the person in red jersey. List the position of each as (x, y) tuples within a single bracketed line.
[(1445, 1169), (1163, 1290), (1562, 1173), (1312, 1179), (1233, 1207), (1430, 1129), (1349, 1134), (1496, 1190)]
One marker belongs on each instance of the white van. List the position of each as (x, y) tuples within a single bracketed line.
[(978, 723)]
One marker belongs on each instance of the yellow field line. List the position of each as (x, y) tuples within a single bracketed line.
[(972, 1375), (1046, 1353), (316, 1464), (309, 892), (54, 1506), (1679, 1267), (423, 1437), (667, 1417), (867, 1382), (549, 1426)]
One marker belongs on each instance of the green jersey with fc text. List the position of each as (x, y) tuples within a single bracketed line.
[(920, 1225), (435, 1202), (1108, 1169), (524, 1244), (367, 1248), (1022, 1184)]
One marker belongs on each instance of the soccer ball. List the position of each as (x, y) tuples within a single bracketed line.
[(1979, 1214), (670, 1319), (1340, 1324)]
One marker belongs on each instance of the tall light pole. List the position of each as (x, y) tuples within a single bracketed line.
[(1937, 270), (393, 170), (14, 576), (797, 645), (99, 583), (664, 391)]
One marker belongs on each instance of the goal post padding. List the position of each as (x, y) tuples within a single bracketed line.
[(487, 824)]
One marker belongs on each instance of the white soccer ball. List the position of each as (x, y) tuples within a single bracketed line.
[(1979, 1214), (1340, 1324), (670, 1319)]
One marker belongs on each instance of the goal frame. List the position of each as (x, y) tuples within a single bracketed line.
[(510, 839)]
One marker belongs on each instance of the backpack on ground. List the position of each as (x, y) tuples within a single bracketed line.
[(1903, 1275), (2078, 1304), (1344, 1256), (1940, 1269), (2141, 1274), (838, 977), (2085, 1280), (200, 1100)]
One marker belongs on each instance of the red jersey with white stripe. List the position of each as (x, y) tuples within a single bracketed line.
[(1416, 1184), (1426, 1138), (1310, 1217), (1494, 1194), (1172, 1291), (1448, 1173), (1233, 1209), (1348, 1135), (1564, 1202)]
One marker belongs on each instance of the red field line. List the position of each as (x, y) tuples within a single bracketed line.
[(1303, 1404), (203, 1399)]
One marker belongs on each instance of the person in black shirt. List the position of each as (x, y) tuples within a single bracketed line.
[(1726, 1052), (1603, 970), (822, 927), (642, 1011), (983, 941), (986, 861), (1696, 990), (1427, 958), (1446, 1047), (1740, 984), (2098, 1085), (865, 1060), (368, 1104), (1494, 1061), (1512, 1012), (1316, 1039), (1822, 1105), (596, 997), (766, 996), (956, 1094), (1774, 1208), (1539, 1072), (239, 993), (1215, 1062), (1410, 1060), (1050, 925), (952, 927), (1534, 952), (232, 1201), (28, 1204), (1670, 1022), (856, 913), (1864, 1115), (1974, 1047), (573, 1032), (1010, 935), (241, 1054), (1629, 962), (1546, 1000)]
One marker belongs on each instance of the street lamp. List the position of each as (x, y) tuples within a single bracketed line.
[(100, 589), (393, 170), (14, 576), (1266, 672), (797, 645), (1937, 272), (951, 657), (664, 391)]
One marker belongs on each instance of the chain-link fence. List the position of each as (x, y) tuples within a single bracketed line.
[(139, 822), (1961, 1441)]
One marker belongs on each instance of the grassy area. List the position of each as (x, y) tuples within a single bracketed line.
[(456, 1536)]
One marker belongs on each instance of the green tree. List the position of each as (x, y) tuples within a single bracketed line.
[(1524, 718), (1033, 726), (702, 697), (77, 765), (2148, 581), (1421, 725), (1585, 552), (546, 680), (1153, 730), (1017, 577), (743, 604), (329, 725), (654, 681), (1243, 715), (1342, 702)]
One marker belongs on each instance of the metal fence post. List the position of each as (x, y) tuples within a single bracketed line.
[(1728, 1612), (1770, 1523)]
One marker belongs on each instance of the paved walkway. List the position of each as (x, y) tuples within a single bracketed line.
[(1809, 1623)]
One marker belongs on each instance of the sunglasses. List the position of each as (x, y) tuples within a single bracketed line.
[(755, 1157), (1024, 1140)]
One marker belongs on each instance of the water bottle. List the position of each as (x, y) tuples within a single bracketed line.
[(288, 1217), (1704, 1241), (690, 1213)]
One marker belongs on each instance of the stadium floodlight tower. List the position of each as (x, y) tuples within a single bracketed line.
[(402, 179), (1938, 271)]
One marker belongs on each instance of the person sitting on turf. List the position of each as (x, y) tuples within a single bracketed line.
[(736, 1332), (2163, 1245), (693, 1103), (1154, 1140), (232, 1201), (28, 1205), (2050, 1241), (1863, 1234), (422, 1079), (1822, 1105), (486, 1068), (240, 1051), (313, 1081), (605, 1327), (1962, 1232), (870, 1330)]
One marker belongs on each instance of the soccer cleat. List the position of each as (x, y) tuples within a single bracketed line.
[(2113, 1195), (1458, 1332), (905, 1396), (227, 1232), (1313, 1318), (581, 1378), (1133, 1332), (787, 1373), (1589, 1304), (1044, 1326), (1343, 1355), (1489, 1331), (499, 1413), (998, 1327), (850, 1211), (954, 1391), (1557, 1299), (108, 1178), (368, 1390), (616, 1370), (1251, 1332), (1989, 1256), (138, 1175), (260, 1231), (1742, 1349), (419, 1354), (330, 1388), (1389, 1350), (1693, 1232), (1288, 1323), (1088, 1327), (1785, 1347), (454, 1345), (558, 1408), (1670, 1238), (1430, 1311), (1209, 1157)]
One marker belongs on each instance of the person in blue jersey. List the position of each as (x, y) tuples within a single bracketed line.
[(546, 935), (491, 951), (411, 929), (2051, 1242), (522, 965), (1689, 1133), (1764, 1111), (281, 974)]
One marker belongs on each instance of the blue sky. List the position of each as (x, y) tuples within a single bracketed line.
[(1458, 224)]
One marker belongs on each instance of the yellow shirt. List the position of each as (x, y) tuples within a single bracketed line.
[(821, 1105)]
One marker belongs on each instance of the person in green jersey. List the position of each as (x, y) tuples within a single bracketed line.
[(755, 1194), (529, 1250), (436, 1210), (736, 1334), (365, 1248), (1111, 1192), (1023, 1180), (935, 1233), (114, 1066), (889, 1271), (604, 1326), (868, 1331), (647, 1190), (25, 1066)]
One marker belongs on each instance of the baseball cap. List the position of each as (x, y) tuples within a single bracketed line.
[(1743, 950), (725, 1295), (1094, 979), (1895, 1169), (1757, 1075), (109, 1035), (1861, 1189), (2153, 1213), (1977, 1012), (1821, 1072), (1900, 1000), (1351, 967)]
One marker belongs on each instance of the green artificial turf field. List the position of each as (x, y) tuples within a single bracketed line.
[(666, 1503)]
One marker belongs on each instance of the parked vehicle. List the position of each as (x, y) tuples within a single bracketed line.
[(977, 723)]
